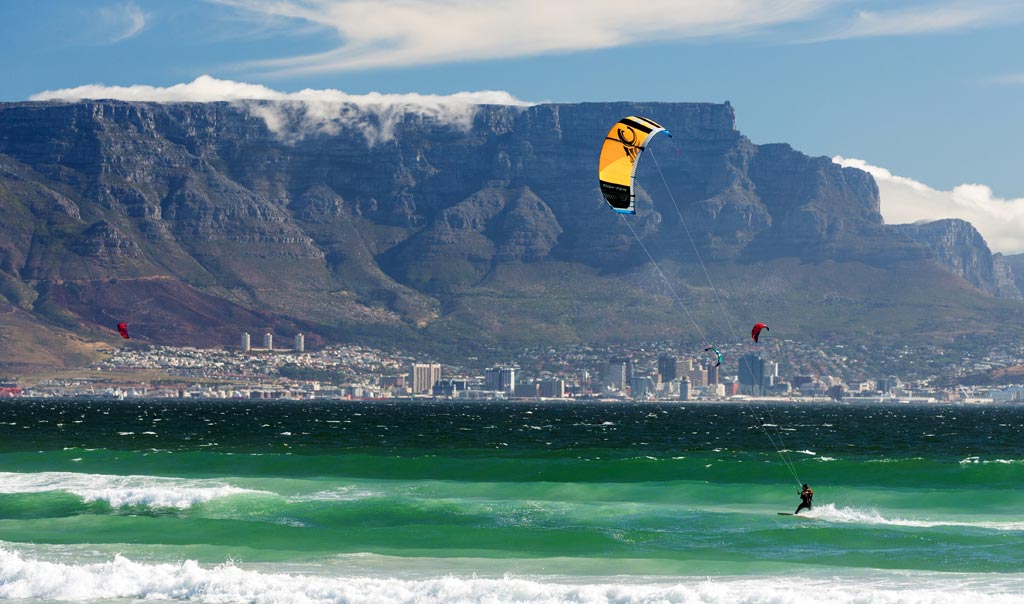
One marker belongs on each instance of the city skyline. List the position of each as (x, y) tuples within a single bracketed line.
[(359, 372)]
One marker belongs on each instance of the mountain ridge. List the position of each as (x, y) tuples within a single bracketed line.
[(197, 221)]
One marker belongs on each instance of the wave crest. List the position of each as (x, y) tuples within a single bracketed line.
[(123, 491), (22, 578), (832, 513)]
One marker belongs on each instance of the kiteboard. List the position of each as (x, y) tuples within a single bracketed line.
[(797, 515)]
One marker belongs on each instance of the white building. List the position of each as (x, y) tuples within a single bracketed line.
[(684, 389), (423, 376), (300, 343), (268, 341), (246, 342)]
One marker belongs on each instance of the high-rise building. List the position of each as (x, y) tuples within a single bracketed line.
[(712, 374), (508, 379), (492, 379), (889, 384), (684, 389), (751, 375), (668, 367), (628, 362), (530, 390), (268, 341), (449, 388), (423, 376), (698, 375), (641, 386), (620, 370), (552, 388), (500, 379), (300, 343), (246, 342)]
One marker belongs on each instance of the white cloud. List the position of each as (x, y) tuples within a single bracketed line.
[(1000, 221), (295, 115), (395, 33), (401, 33), (926, 19), (122, 21), (1006, 79)]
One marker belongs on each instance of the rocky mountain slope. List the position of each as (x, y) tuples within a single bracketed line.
[(196, 222)]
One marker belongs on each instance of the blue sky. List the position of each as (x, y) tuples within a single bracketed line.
[(931, 90)]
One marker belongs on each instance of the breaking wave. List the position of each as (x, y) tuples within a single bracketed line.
[(123, 491), (24, 578)]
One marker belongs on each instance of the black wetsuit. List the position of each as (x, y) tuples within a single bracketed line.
[(805, 500)]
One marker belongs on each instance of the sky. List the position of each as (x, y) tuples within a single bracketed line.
[(927, 95)]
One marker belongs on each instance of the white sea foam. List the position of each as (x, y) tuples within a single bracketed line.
[(832, 513), (121, 491), (978, 460), (24, 578), (346, 493), (894, 459)]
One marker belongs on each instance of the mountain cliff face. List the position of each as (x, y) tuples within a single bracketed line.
[(198, 221), (957, 245), (1014, 265)]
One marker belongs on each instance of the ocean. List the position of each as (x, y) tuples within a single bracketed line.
[(495, 502)]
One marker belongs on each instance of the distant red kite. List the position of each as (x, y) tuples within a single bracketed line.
[(756, 331), (122, 328)]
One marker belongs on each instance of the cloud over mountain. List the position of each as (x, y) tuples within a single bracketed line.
[(904, 200), (295, 115)]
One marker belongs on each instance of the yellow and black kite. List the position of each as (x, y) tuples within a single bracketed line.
[(622, 148)]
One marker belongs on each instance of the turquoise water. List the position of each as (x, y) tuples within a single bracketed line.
[(508, 502)]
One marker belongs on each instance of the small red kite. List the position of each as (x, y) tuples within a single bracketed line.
[(756, 331), (122, 328)]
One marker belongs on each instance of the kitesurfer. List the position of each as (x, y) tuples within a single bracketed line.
[(806, 496)]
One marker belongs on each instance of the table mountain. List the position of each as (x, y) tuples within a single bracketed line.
[(197, 221)]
